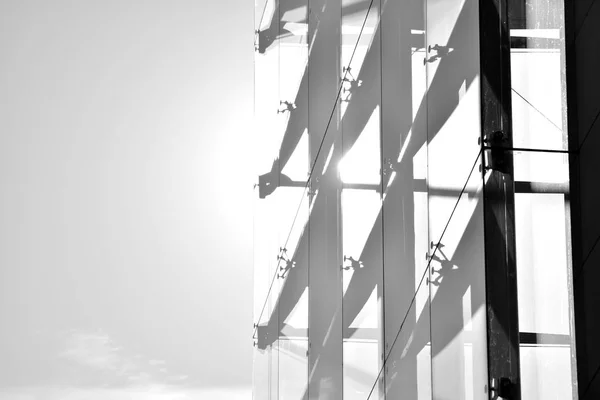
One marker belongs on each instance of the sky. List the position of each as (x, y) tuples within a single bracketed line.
[(125, 199)]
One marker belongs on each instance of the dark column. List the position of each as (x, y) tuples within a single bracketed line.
[(499, 207), (583, 80)]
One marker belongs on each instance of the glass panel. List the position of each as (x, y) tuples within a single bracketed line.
[(293, 367), (325, 273), (260, 9), (538, 74), (263, 243), (266, 246), (262, 353), (261, 376), (408, 365), (361, 96), (363, 290), (360, 173), (265, 288), (266, 24), (453, 102), (404, 149), (359, 24), (457, 290), (266, 253), (281, 335), (270, 325), (266, 352), (266, 105), (292, 306), (454, 183), (544, 280), (293, 92)]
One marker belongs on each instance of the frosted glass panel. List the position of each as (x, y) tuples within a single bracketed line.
[(546, 373), (542, 216), (538, 79)]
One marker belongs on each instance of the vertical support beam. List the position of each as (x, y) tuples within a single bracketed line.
[(499, 202), (399, 223), (325, 372)]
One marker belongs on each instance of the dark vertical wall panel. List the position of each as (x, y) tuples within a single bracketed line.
[(587, 54), (583, 64)]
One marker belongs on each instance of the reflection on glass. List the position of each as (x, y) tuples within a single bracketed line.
[(293, 92), (544, 281), (458, 305), (292, 304), (456, 276), (538, 74), (360, 20), (453, 102), (408, 365)]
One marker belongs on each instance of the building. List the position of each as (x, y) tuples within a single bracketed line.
[(425, 221)]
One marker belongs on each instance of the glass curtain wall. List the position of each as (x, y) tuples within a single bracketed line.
[(281, 211), (407, 369), (371, 234), (266, 379)]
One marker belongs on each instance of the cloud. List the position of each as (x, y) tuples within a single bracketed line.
[(123, 376), (141, 377), (97, 352), (94, 351)]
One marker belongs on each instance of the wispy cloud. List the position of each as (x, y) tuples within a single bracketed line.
[(98, 352), (95, 351), (119, 374)]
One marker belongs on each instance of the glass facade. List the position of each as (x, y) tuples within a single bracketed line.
[(412, 203)]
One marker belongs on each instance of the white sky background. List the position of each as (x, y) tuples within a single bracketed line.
[(125, 199)]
